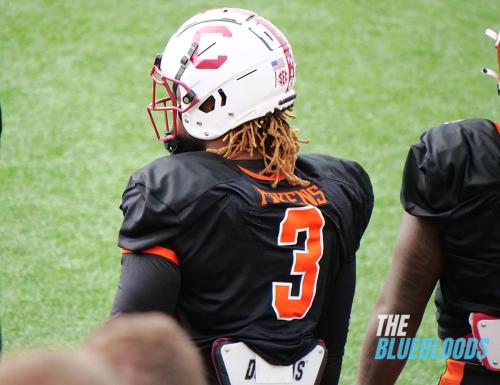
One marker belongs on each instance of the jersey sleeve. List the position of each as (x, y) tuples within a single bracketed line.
[(449, 167), (355, 205), (147, 283), (362, 206), (349, 189), (148, 222), (333, 325)]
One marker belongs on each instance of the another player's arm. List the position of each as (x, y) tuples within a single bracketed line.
[(416, 267)]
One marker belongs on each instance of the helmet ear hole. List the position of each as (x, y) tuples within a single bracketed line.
[(208, 105)]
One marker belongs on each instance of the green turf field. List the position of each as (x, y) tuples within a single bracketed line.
[(372, 75)]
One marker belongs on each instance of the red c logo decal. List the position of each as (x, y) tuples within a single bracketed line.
[(209, 63)]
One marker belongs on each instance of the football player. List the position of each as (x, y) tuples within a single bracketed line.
[(250, 246), (450, 235)]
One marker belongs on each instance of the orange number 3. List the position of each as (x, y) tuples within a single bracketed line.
[(305, 262)]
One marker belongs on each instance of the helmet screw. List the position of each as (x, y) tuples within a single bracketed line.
[(206, 133), (186, 119), (483, 324), (231, 114), (227, 350), (186, 99)]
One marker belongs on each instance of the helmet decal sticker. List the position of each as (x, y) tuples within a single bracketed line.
[(209, 63)]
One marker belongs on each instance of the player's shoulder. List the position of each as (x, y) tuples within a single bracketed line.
[(459, 144), (348, 189), (322, 166), (179, 179), (462, 135), (451, 164), (203, 166)]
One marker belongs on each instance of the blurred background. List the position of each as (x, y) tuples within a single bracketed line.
[(371, 77)]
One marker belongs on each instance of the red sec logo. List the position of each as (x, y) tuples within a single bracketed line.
[(282, 77)]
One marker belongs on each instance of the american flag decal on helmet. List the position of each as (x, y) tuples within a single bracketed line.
[(278, 64)]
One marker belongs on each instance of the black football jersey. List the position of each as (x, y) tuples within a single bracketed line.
[(453, 176), (256, 263)]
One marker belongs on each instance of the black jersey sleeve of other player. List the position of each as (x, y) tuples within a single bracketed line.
[(450, 166), (453, 178)]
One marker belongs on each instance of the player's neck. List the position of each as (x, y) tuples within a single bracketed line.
[(246, 156), (243, 155)]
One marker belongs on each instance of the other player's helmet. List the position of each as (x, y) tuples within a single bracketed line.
[(496, 37), (222, 68)]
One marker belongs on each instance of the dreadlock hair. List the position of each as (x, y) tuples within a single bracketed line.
[(276, 141)]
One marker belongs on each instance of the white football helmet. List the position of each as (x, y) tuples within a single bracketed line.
[(496, 37), (223, 67)]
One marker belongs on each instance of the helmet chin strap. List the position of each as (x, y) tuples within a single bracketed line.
[(172, 145), (487, 71), (184, 143)]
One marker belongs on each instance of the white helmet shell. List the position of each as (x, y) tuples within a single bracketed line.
[(237, 58)]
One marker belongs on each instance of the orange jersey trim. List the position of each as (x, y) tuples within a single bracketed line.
[(453, 374), (157, 250), (497, 125), (259, 176)]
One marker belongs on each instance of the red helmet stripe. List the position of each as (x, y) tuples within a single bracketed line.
[(286, 48)]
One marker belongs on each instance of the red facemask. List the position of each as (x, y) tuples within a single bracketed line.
[(168, 103)]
